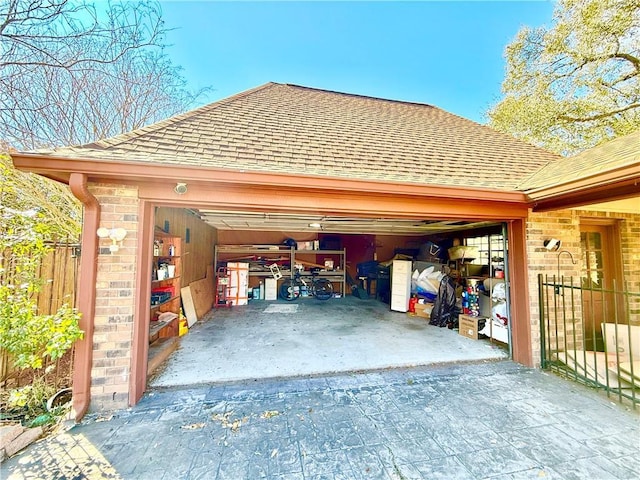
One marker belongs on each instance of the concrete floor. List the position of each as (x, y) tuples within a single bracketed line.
[(308, 337)]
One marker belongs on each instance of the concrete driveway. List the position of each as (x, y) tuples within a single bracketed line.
[(484, 420)]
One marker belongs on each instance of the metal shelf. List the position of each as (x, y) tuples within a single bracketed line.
[(336, 276)]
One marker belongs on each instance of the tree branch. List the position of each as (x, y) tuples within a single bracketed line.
[(600, 115)]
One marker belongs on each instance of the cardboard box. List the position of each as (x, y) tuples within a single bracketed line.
[(310, 245), (238, 291), (468, 326), (424, 309), (463, 252)]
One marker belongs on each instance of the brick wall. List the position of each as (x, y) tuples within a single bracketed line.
[(565, 225), (115, 299)]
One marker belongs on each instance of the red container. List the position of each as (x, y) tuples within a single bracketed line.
[(168, 289), (412, 304)]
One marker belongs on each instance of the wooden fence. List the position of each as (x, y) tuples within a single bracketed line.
[(58, 271)]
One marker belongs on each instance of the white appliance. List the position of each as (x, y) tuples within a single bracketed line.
[(400, 285), (270, 289)]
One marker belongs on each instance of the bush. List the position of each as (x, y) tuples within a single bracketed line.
[(27, 224)]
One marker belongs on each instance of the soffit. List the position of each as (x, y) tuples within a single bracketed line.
[(629, 205)]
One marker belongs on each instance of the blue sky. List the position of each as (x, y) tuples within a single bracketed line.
[(447, 54)]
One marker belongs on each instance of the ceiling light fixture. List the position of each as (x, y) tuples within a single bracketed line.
[(315, 225)]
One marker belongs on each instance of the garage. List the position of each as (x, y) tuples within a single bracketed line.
[(374, 178), (368, 322)]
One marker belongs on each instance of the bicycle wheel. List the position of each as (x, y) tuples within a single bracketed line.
[(323, 289), (290, 290)]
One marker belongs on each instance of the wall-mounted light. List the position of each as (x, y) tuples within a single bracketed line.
[(315, 225), (181, 188), (116, 235), (552, 244)]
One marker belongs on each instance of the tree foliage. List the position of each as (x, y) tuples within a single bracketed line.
[(576, 84), (25, 230), (51, 202), (71, 73)]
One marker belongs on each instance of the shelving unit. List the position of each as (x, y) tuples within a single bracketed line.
[(165, 297), (261, 256)]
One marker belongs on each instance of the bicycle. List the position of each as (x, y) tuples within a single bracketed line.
[(321, 288)]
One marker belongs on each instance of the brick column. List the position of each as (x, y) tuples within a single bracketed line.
[(563, 225), (115, 299)]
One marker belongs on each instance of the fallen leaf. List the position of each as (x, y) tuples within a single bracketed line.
[(193, 426), (226, 421), (270, 414)]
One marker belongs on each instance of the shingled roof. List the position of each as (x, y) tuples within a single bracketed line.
[(617, 153), (294, 129)]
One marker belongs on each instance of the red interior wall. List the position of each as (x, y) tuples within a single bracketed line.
[(386, 244), (360, 247), (250, 237)]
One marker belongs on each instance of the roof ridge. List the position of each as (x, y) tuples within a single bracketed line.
[(357, 95), (176, 119)]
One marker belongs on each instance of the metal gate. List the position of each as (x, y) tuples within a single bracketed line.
[(591, 334)]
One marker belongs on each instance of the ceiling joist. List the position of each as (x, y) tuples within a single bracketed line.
[(291, 222)]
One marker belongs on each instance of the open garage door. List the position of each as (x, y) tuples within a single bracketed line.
[(262, 334)]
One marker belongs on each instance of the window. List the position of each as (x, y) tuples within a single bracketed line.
[(489, 249)]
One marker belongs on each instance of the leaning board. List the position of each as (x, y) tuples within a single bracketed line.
[(202, 295), (188, 305)]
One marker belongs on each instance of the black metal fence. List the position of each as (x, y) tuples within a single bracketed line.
[(591, 334)]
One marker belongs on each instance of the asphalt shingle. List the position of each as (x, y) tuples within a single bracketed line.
[(280, 127), (617, 153)]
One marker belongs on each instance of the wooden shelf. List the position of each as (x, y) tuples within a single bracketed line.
[(319, 252), (163, 241), (159, 351), (155, 307), (153, 282)]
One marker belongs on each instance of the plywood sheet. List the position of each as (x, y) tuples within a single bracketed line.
[(597, 366), (632, 369), (202, 294), (189, 306), (622, 339)]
